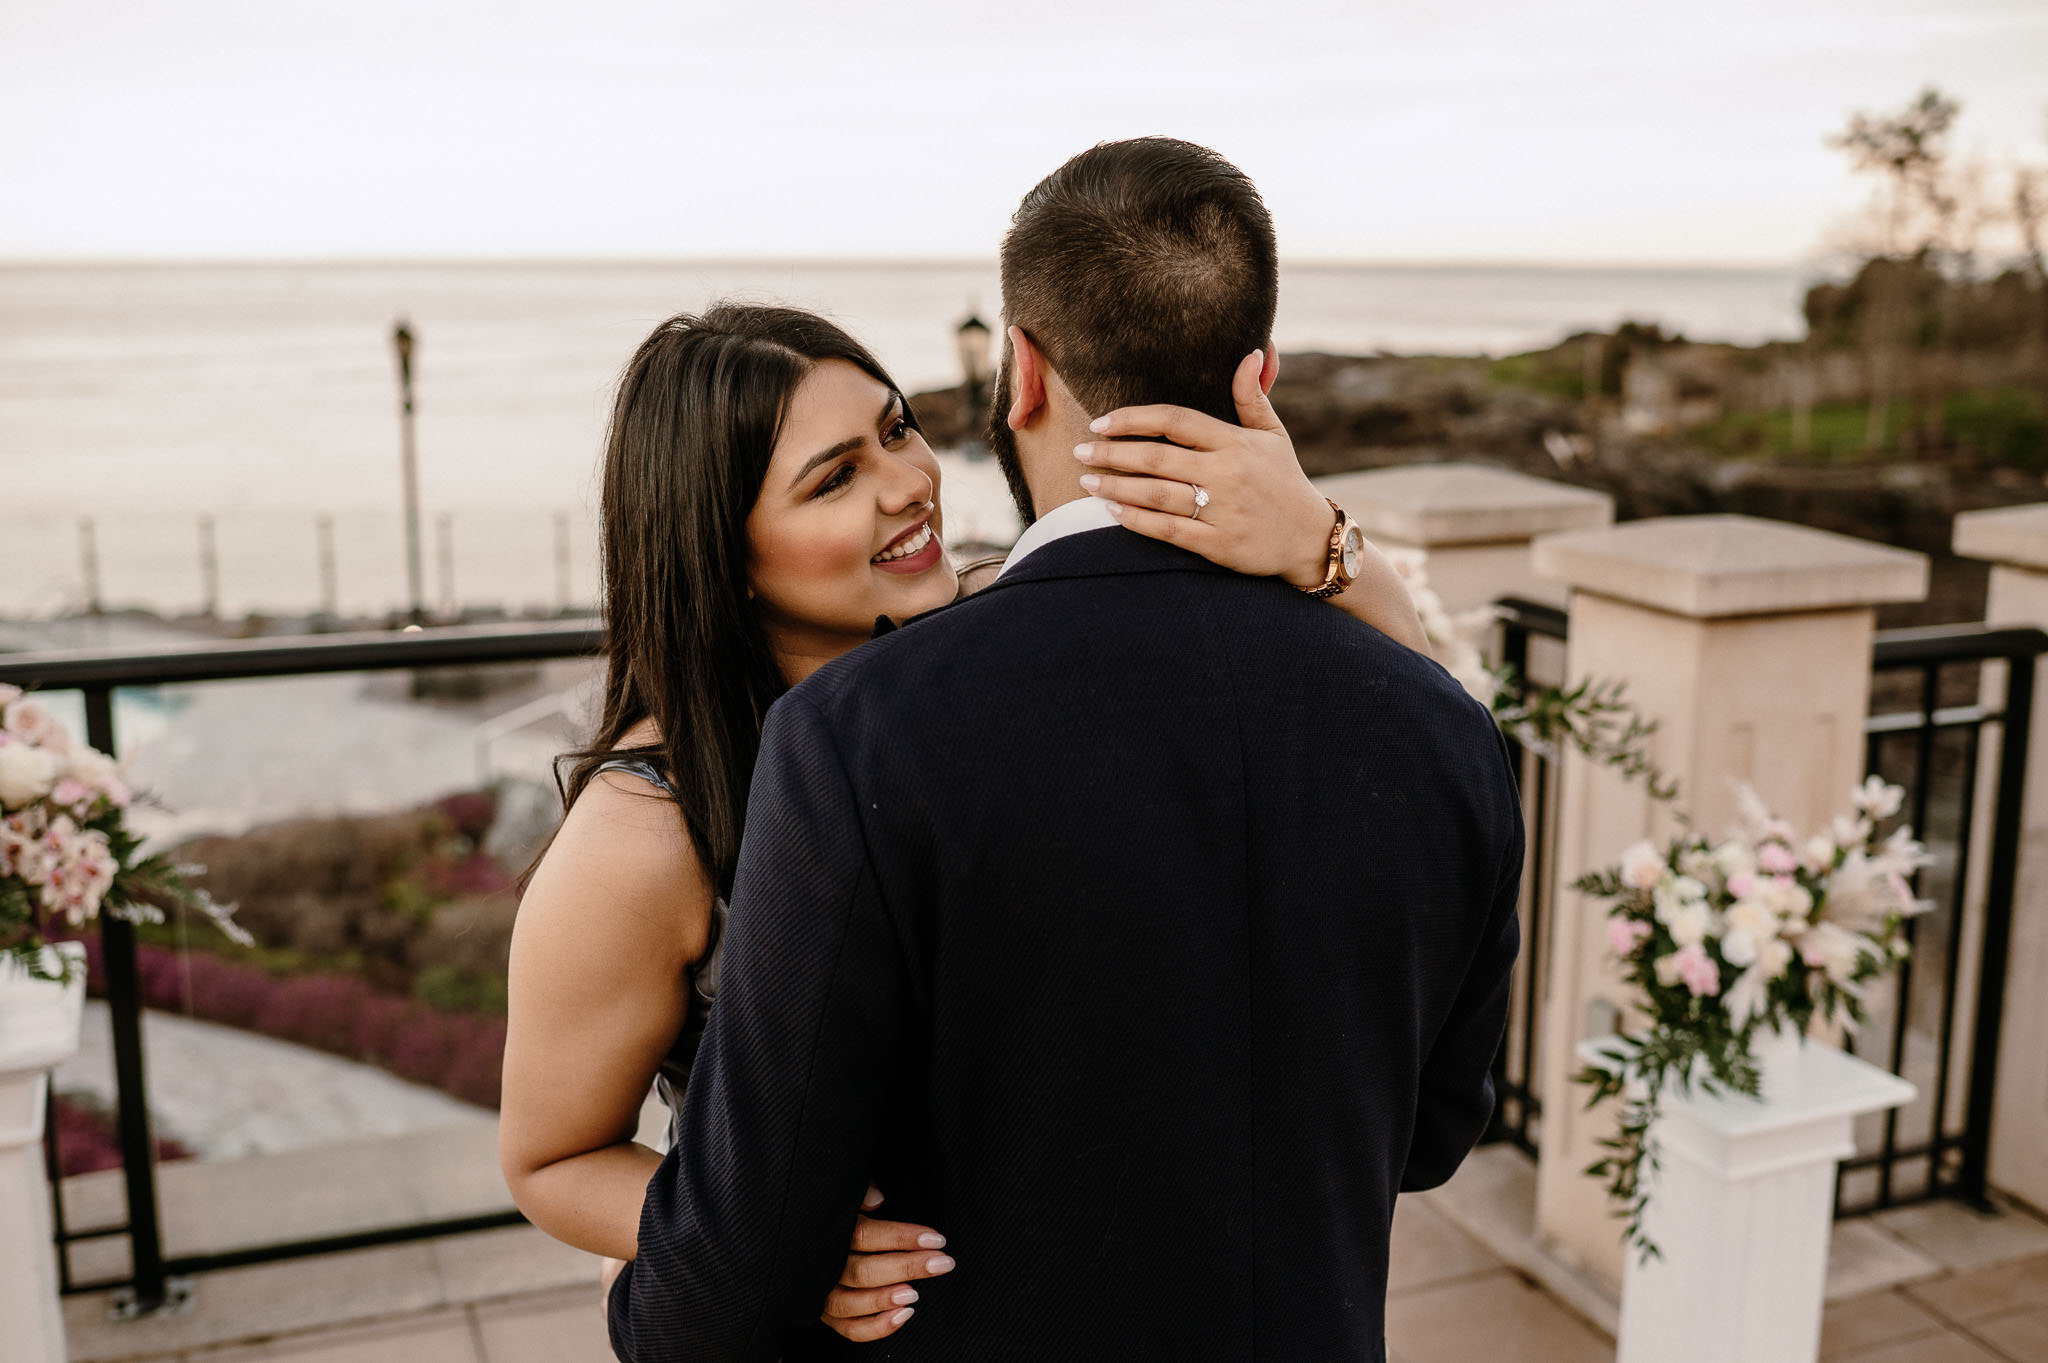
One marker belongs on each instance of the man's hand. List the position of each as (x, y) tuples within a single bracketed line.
[(874, 1296)]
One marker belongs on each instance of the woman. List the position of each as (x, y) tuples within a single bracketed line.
[(767, 495)]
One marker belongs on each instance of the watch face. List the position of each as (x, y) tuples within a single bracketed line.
[(1353, 551)]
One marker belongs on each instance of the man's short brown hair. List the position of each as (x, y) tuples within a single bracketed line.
[(1146, 271)]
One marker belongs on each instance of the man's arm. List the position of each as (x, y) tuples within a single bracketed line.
[(746, 1223), (1455, 1097)]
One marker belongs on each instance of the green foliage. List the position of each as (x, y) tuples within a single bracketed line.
[(1836, 433), (455, 990), (1593, 717), (1559, 372), (2006, 425)]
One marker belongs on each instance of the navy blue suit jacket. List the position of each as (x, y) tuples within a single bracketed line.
[(1143, 927)]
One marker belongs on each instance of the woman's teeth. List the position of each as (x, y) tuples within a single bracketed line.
[(915, 544)]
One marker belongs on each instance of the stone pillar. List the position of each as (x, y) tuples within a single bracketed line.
[(1475, 522), (1741, 1210), (2015, 540), (38, 1029), (1748, 642)]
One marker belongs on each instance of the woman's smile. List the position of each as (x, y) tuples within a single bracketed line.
[(916, 550)]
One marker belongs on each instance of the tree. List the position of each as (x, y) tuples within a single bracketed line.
[(1910, 150)]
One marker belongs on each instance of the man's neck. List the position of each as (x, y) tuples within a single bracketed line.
[(1051, 472)]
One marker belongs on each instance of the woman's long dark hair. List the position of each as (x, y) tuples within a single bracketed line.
[(699, 408)]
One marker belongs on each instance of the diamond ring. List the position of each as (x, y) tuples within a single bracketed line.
[(1201, 498)]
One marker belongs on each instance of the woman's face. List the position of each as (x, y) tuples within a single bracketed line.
[(847, 524)]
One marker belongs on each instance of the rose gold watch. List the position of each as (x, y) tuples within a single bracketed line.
[(1347, 555)]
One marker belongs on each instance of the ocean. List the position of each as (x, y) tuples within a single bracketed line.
[(262, 398)]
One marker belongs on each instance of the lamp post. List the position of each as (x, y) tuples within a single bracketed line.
[(401, 341), (972, 338)]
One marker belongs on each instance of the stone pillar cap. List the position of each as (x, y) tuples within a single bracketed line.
[(1445, 504), (2006, 534), (1709, 566)]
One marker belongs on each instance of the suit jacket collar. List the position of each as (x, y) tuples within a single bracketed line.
[(1110, 552)]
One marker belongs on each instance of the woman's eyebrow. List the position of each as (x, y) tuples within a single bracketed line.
[(846, 446)]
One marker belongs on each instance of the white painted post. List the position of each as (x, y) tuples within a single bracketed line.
[(1748, 642), (38, 1029), (1741, 1209), (2015, 541), (1474, 521)]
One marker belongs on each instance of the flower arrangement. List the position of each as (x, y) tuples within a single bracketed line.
[(67, 854), (1593, 718), (1727, 942)]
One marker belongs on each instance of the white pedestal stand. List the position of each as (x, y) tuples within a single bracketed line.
[(38, 1028), (1742, 1208)]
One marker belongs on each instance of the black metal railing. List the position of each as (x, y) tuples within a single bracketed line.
[(1518, 1105), (1928, 734), (98, 674), (1928, 698)]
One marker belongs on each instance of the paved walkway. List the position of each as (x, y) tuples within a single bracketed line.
[(224, 1093), (514, 1296)]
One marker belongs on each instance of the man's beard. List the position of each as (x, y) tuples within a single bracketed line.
[(1002, 443)]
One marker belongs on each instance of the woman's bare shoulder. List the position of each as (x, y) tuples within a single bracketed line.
[(978, 573), (622, 867)]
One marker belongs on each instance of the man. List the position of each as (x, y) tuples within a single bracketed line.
[(1144, 927)]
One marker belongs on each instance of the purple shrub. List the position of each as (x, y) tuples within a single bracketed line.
[(88, 1141), (425, 1043), (378, 1025), (224, 992), (476, 1069), (161, 975), (470, 813), (315, 1010), (474, 875)]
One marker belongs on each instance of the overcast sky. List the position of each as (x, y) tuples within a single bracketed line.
[(1462, 130)]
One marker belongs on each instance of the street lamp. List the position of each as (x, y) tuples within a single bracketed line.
[(401, 341), (972, 338)]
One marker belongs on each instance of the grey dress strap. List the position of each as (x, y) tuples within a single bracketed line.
[(674, 1073)]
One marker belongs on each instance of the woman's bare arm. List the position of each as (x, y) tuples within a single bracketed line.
[(616, 912)]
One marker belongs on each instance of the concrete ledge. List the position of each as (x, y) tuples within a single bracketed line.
[(2008, 534), (1429, 505), (1711, 566)]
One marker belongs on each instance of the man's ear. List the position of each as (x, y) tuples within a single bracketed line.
[(1027, 380), (1270, 370)]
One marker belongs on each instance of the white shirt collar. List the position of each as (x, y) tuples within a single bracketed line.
[(1069, 518)]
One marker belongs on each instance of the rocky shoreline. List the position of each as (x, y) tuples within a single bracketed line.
[(1349, 412)]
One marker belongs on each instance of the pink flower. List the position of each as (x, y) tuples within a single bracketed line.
[(1742, 885), (70, 793), (1624, 935), (1697, 970), (1777, 858)]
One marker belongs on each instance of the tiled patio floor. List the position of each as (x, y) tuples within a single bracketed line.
[(513, 1296)]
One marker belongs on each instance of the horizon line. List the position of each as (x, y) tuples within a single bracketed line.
[(629, 261)]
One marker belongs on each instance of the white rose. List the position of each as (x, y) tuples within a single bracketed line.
[(26, 774), (1642, 865), (1753, 916), (32, 722), (1735, 858), (1689, 922), (1773, 956), (1819, 854)]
